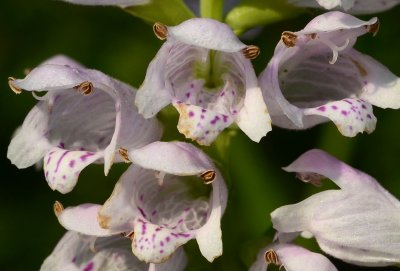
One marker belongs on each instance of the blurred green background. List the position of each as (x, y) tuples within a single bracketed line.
[(120, 45)]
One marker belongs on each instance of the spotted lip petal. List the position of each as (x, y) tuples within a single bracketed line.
[(315, 72), (83, 110), (121, 3), (293, 258), (203, 71), (157, 205), (82, 252), (341, 220), (350, 6)]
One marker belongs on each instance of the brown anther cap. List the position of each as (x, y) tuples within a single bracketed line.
[(289, 39), (58, 208), (374, 28), (251, 51), (85, 88), (160, 30), (124, 154), (208, 176), (12, 86)]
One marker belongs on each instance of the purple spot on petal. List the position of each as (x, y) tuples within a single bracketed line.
[(167, 239), (363, 106), (74, 259), (184, 234), (88, 154), (161, 251), (61, 145), (161, 243), (141, 197), (203, 110), (334, 107), (347, 101), (71, 163), (191, 114), (59, 160), (154, 212), (207, 132), (225, 117), (222, 94), (142, 212), (321, 108), (64, 177), (188, 95), (192, 85), (369, 116), (202, 116), (89, 267), (344, 112), (46, 174)]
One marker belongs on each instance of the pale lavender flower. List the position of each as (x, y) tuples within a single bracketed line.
[(121, 3), (292, 258), (203, 71), (78, 252), (350, 6), (164, 199), (315, 75), (358, 223), (84, 117)]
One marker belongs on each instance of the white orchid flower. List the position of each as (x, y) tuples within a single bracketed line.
[(84, 117)]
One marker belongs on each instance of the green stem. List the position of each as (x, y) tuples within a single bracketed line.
[(212, 9)]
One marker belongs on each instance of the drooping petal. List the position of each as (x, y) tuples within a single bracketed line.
[(292, 258), (253, 119), (206, 33), (80, 252), (200, 124), (177, 262), (176, 158), (62, 167), (29, 144), (351, 116), (121, 3), (154, 243), (83, 219), (209, 236)]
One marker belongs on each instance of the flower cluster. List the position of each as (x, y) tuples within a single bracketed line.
[(172, 192)]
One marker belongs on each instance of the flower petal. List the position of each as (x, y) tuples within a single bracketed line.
[(176, 158), (156, 244), (79, 252), (83, 219), (200, 124), (29, 144), (253, 119), (209, 236), (62, 167), (381, 87), (122, 3), (351, 116), (293, 258), (207, 33)]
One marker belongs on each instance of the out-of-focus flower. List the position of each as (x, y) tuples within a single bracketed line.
[(205, 72), (292, 258), (84, 117), (358, 224), (121, 3), (77, 252), (315, 75), (163, 199), (350, 6)]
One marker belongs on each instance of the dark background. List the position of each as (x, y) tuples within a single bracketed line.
[(120, 45)]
